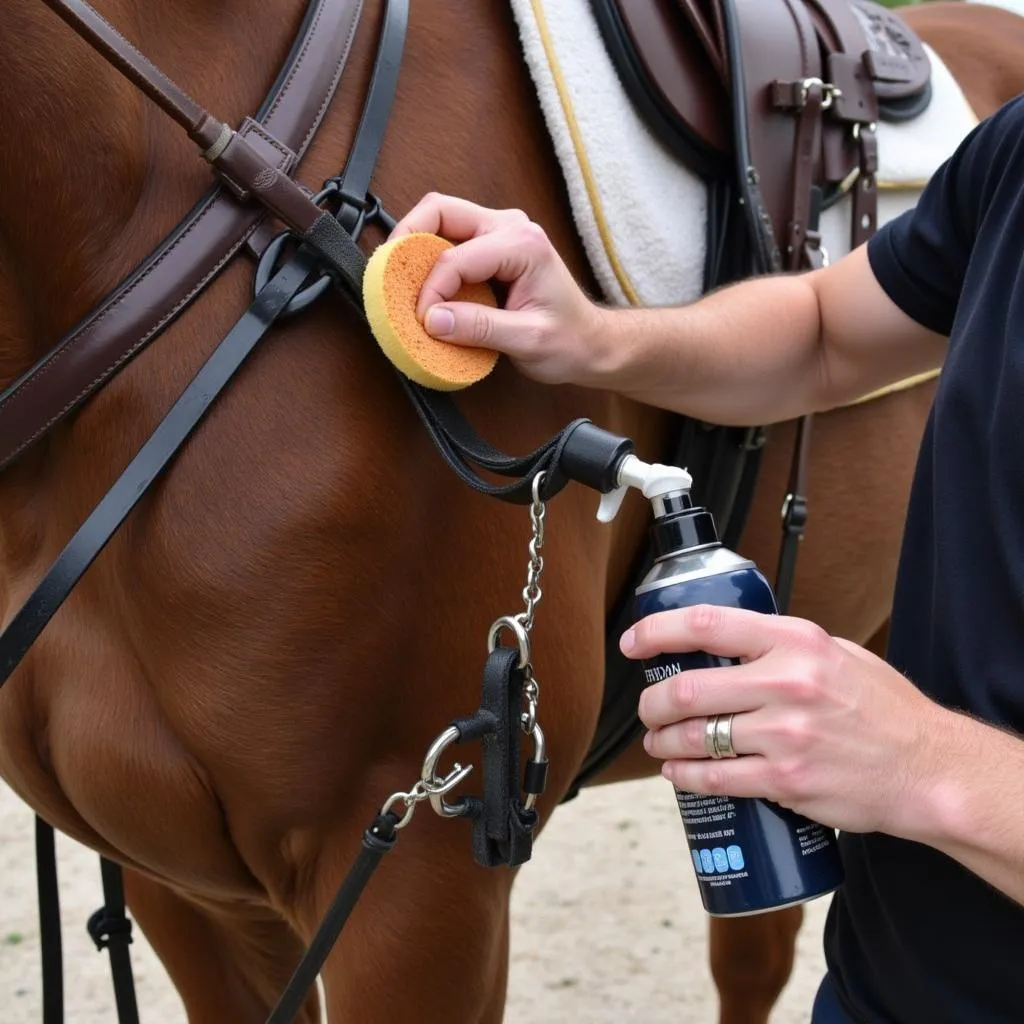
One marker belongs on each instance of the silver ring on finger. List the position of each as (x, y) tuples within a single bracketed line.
[(723, 736), (710, 731)]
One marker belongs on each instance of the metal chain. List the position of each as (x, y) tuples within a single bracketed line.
[(433, 787), (531, 596), (532, 592)]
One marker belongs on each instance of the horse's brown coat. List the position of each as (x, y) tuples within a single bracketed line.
[(264, 652)]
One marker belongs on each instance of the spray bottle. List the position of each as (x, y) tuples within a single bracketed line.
[(750, 855)]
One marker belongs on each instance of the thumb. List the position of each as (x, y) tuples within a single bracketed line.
[(514, 332)]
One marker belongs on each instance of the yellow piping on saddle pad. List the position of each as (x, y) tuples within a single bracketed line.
[(581, 155), (595, 200)]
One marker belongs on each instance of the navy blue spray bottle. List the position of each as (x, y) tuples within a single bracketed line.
[(750, 855)]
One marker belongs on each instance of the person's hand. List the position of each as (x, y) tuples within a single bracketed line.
[(821, 726), (548, 327)]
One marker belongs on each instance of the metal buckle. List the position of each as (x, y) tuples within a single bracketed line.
[(370, 212)]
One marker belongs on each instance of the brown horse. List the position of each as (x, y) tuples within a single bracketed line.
[(267, 648)]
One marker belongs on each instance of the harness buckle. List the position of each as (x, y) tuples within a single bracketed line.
[(108, 929), (437, 788), (794, 513)]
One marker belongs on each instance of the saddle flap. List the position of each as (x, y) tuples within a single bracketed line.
[(674, 52)]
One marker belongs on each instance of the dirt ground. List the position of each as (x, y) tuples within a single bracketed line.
[(607, 925)]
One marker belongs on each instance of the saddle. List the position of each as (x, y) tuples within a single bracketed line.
[(790, 88)]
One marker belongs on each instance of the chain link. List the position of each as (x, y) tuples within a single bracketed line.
[(532, 592), (531, 597)]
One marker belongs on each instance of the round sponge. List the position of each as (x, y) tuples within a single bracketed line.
[(392, 282)]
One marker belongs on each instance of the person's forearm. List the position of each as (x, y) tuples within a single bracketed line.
[(971, 802), (748, 354)]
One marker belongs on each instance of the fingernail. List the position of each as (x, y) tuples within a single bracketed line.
[(628, 641), (440, 321)]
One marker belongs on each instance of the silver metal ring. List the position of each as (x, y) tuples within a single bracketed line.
[(723, 736), (436, 788), (710, 729), (512, 623)]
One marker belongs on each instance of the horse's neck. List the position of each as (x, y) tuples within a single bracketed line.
[(92, 175)]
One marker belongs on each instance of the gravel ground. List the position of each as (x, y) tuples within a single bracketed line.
[(607, 925)]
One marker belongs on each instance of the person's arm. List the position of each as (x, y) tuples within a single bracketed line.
[(767, 349), (756, 352), (972, 808)]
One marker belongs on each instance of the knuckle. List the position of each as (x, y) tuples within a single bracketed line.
[(448, 257), (796, 733), (788, 779), (693, 734), (715, 780), (483, 327), (516, 216), (705, 619), (683, 691), (533, 236), (809, 636), (807, 681)]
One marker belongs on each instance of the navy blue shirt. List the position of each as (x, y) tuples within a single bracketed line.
[(912, 936)]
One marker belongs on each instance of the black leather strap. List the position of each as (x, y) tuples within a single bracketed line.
[(502, 828), (378, 839), (111, 929), (51, 949), (92, 537), (353, 184)]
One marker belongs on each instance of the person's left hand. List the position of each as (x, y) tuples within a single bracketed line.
[(821, 725)]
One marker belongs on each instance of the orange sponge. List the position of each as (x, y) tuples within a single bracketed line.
[(392, 282)]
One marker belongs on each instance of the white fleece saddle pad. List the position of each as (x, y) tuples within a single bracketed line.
[(639, 212)]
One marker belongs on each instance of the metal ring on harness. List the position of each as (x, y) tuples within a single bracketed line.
[(513, 623), (428, 776), (370, 212)]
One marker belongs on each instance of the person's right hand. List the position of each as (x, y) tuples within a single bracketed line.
[(548, 327)]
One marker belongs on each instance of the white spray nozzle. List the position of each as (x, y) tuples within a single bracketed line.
[(653, 480)]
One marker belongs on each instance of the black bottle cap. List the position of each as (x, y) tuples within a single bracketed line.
[(688, 527)]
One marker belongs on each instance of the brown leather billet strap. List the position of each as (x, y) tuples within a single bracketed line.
[(806, 155), (116, 50), (164, 284)]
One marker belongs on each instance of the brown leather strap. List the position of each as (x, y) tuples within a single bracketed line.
[(806, 154), (104, 38), (246, 168), (865, 191), (195, 253), (713, 45)]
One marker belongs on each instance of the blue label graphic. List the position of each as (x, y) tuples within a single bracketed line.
[(721, 861), (707, 861), (696, 860), (735, 855)]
